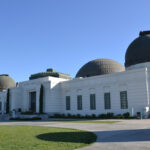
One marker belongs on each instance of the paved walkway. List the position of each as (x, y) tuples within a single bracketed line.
[(125, 135)]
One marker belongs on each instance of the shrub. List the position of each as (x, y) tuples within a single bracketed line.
[(87, 116), (57, 116), (93, 116), (26, 119), (119, 116), (69, 115), (74, 116), (110, 115), (102, 116), (63, 116), (41, 99), (78, 116), (7, 102), (126, 115), (27, 113)]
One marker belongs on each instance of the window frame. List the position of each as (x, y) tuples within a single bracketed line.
[(123, 100), (107, 100), (68, 103), (93, 101), (79, 102)]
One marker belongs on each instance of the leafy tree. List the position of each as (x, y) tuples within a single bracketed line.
[(7, 102)]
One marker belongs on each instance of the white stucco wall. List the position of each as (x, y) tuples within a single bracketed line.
[(20, 97), (53, 96), (3, 101), (132, 81), (135, 81)]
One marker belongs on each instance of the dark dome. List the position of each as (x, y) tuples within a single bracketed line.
[(99, 67), (139, 50), (6, 82)]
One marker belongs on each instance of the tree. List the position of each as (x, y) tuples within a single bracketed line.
[(7, 102), (41, 99)]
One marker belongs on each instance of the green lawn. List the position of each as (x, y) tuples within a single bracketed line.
[(87, 121), (43, 138)]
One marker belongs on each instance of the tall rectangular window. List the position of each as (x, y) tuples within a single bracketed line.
[(0, 106), (4, 106), (67, 102), (79, 102), (107, 103), (33, 101), (92, 102), (123, 100)]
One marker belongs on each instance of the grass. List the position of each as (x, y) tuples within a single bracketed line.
[(86, 121), (43, 138)]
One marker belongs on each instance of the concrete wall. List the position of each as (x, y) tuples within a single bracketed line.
[(132, 81), (20, 96), (3, 101), (136, 82)]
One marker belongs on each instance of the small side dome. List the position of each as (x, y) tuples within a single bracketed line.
[(49, 72), (99, 67), (139, 50), (6, 82)]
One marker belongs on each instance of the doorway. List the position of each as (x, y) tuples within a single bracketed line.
[(33, 102)]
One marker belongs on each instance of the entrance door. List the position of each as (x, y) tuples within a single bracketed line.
[(33, 102)]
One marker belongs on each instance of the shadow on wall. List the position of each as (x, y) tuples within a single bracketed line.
[(74, 137), (124, 135)]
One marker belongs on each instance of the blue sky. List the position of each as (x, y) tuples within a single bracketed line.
[(66, 34)]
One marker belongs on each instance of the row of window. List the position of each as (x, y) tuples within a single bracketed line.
[(107, 101)]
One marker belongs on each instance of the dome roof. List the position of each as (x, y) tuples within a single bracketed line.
[(6, 82), (139, 50), (50, 72), (99, 67)]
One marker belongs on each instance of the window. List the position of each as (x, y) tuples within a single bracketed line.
[(123, 100), (107, 103), (33, 102), (92, 102), (67, 102), (79, 102), (4, 106), (0, 106)]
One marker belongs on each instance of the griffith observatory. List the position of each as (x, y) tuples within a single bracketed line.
[(100, 86)]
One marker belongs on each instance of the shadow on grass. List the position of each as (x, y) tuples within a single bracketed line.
[(74, 137)]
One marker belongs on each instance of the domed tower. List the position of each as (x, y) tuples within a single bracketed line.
[(6, 82), (99, 67), (138, 52)]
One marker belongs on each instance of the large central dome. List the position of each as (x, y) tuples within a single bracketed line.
[(99, 67), (139, 50)]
